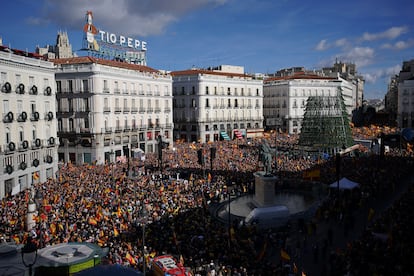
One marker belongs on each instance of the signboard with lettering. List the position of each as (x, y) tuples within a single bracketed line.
[(110, 45)]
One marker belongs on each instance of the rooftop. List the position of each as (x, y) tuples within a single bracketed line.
[(113, 63)]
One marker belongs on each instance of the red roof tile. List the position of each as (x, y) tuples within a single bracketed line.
[(208, 72), (119, 64), (299, 75)]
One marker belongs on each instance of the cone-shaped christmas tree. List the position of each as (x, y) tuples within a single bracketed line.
[(325, 124)]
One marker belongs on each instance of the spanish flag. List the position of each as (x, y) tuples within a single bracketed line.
[(92, 221), (101, 242), (116, 232), (36, 176), (181, 259), (130, 259), (16, 239), (53, 228), (119, 212), (262, 252), (284, 255)]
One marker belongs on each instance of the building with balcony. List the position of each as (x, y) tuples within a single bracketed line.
[(351, 80), (405, 98), (286, 96), (391, 100), (105, 109), (215, 104), (28, 140)]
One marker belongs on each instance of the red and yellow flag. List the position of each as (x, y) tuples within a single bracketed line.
[(130, 259), (92, 221), (284, 255), (116, 232), (36, 176)]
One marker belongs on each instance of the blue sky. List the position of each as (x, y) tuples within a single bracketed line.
[(262, 35)]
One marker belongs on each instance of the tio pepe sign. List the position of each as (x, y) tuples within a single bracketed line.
[(122, 40)]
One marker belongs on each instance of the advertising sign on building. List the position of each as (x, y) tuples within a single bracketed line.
[(110, 45)]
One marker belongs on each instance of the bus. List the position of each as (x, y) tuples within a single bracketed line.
[(168, 265)]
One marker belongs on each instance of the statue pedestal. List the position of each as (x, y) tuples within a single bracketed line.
[(264, 189)]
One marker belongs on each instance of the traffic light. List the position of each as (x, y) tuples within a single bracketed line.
[(200, 156)]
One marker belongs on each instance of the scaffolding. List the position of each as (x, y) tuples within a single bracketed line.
[(325, 125)]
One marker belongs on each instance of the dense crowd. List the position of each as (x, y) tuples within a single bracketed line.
[(113, 207)]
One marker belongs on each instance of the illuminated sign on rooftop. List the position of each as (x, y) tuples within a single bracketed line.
[(123, 41), (109, 44)]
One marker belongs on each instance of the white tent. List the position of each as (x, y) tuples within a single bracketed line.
[(344, 184)]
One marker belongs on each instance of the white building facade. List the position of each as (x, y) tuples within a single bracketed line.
[(285, 98), (28, 140), (217, 104), (405, 116), (106, 109), (405, 106)]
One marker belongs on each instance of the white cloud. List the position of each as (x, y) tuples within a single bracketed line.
[(127, 17), (370, 77), (399, 45), (385, 74), (391, 33), (341, 42), (322, 45), (361, 56)]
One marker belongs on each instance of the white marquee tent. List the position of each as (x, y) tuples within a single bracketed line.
[(344, 184)]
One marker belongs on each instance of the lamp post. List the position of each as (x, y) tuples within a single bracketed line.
[(39, 206), (29, 254), (229, 217), (112, 154), (144, 259), (275, 152), (175, 156), (338, 169)]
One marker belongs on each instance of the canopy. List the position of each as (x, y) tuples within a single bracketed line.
[(344, 184)]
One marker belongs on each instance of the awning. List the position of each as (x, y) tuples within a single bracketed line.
[(344, 184), (238, 134), (225, 136), (255, 132)]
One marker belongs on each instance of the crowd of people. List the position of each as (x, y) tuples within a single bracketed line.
[(148, 211)]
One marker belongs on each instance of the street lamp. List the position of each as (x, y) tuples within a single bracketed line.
[(29, 254), (275, 151), (144, 259), (39, 206), (112, 154), (175, 156), (229, 217), (338, 169)]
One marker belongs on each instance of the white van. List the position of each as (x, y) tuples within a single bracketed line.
[(268, 216)]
